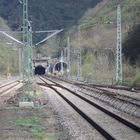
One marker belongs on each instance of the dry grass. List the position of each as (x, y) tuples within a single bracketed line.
[(98, 38)]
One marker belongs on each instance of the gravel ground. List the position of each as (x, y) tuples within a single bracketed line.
[(128, 117), (117, 129), (124, 134), (37, 123), (46, 129), (72, 126), (6, 80), (125, 110)]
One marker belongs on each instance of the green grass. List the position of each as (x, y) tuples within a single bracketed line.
[(8, 56), (131, 75), (28, 122), (136, 81), (34, 126)]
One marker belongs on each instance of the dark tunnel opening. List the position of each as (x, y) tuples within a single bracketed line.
[(39, 70)]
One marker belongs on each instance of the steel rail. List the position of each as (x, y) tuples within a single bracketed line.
[(120, 119), (102, 131), (9, 88), (97, 89)]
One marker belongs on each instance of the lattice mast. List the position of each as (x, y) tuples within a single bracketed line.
[(119, 48), (62, 59), (68, 56), (30, 51), (79, 53), (27, 42)]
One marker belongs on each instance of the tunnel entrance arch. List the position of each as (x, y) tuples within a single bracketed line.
[(39, 70), (57, 66)]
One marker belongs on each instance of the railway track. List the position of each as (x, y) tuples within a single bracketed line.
[(128, 104), (6, 90), (115, 98), (76, 101), (115, 93), (131, 89)]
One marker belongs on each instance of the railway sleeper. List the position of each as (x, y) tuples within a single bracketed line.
[(116, 103), (133, 110)]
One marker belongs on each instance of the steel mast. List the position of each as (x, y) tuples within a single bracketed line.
[(68, 57), (62, 59), (119, 48), (79, 53), (27, 41)]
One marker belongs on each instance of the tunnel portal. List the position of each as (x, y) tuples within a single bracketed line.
[(39, 70), (58, 66)]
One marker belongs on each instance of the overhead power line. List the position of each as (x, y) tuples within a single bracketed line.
[(9, 36), (48, 37)]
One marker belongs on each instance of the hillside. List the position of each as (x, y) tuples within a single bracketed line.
[(46, 14), (98, 41), (97, 33), (8, 52)]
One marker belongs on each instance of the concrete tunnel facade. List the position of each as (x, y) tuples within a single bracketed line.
[(40, 70)]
